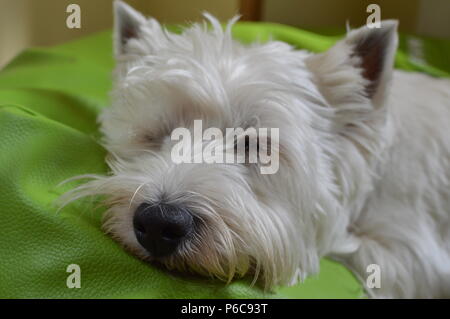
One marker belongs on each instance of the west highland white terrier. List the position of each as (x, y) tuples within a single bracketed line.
[(364, 158)]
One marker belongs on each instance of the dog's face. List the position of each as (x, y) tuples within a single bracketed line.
[(226, 219)]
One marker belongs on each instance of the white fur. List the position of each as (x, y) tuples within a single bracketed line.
[(362, 180)]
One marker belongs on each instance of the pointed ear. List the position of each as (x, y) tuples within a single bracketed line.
[(359, 67), (127, 24)]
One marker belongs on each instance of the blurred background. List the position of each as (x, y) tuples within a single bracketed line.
[(25, 23)]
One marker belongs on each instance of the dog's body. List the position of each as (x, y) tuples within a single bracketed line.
[(402, 220), (364, 160)]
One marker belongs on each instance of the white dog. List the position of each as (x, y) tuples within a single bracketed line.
[(364, 158)]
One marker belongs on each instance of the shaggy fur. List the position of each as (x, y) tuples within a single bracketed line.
[(364, 155)]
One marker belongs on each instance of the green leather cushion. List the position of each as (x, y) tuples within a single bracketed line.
[(49, 100)]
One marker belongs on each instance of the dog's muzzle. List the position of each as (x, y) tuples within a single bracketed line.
[(161, 228)]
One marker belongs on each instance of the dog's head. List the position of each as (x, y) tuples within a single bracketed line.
[(229, 219)]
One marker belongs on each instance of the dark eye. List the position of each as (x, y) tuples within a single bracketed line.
[(247, 144), (249, 158), (152, 140)]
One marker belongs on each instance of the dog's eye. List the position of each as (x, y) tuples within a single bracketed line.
[(248, 147), (152, 141), (149, 139), (247, 144)]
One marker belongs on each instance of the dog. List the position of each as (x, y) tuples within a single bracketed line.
[(364, 158)]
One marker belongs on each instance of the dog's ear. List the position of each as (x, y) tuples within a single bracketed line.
[(127, 25), (359, 67)]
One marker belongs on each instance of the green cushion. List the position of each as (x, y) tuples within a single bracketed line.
[(49, 100)]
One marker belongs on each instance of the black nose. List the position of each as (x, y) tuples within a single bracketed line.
[(161, 228)]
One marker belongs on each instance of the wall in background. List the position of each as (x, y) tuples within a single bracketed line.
[(421, 17), (25, 23), (15, 32), (434, 18)]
